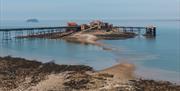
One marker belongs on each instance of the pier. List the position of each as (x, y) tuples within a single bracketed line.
[(148, 31), (9, 33), (61, 31)]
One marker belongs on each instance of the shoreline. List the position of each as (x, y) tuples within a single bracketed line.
[(44, 72), (142, 71)]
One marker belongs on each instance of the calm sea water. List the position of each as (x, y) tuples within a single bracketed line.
[(157, 58)]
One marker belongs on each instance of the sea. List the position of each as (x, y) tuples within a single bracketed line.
[(155, 58)]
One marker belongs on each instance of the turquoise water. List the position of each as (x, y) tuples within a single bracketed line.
[(157, 58)]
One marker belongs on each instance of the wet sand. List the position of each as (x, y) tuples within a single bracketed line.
[(122, 71), (86, 39)]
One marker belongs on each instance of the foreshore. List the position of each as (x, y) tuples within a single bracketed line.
[(19, 74)]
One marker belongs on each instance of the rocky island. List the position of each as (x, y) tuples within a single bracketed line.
[(32, 20)]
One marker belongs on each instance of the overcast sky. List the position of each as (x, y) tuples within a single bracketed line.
[(89, 9)]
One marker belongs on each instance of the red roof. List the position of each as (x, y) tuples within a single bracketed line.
[(72, 24)]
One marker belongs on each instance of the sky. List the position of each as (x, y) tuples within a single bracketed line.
[(89, 9)]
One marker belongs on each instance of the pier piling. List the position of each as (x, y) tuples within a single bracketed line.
[(6, 35), (151, 31)]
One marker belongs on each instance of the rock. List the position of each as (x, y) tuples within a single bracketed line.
[(14, 71)]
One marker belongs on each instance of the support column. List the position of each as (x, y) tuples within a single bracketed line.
[(154, 31), (139, 31), (124, 29), (131, 29), (151, 31), (6, 35), (18, 34)]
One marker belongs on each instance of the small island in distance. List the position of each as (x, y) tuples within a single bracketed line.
[(32, 20)]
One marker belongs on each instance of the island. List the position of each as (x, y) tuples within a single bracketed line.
[(32, 20)]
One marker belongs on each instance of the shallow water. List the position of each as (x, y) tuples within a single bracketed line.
[(155, 58)]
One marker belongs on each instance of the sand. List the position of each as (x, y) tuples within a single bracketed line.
[(88, 39), (122, 71)]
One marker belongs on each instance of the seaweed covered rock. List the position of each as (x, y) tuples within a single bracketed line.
[(152, 85), (16, 71), (18, 74)]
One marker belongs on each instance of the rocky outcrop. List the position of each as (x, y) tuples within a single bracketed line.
[(18, 74)]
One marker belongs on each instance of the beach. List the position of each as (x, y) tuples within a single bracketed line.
[(19, 74)]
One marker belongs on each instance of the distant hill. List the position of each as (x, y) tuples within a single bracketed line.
[(32, 20)]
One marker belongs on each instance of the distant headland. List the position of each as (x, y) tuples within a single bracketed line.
[(32, 20)]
